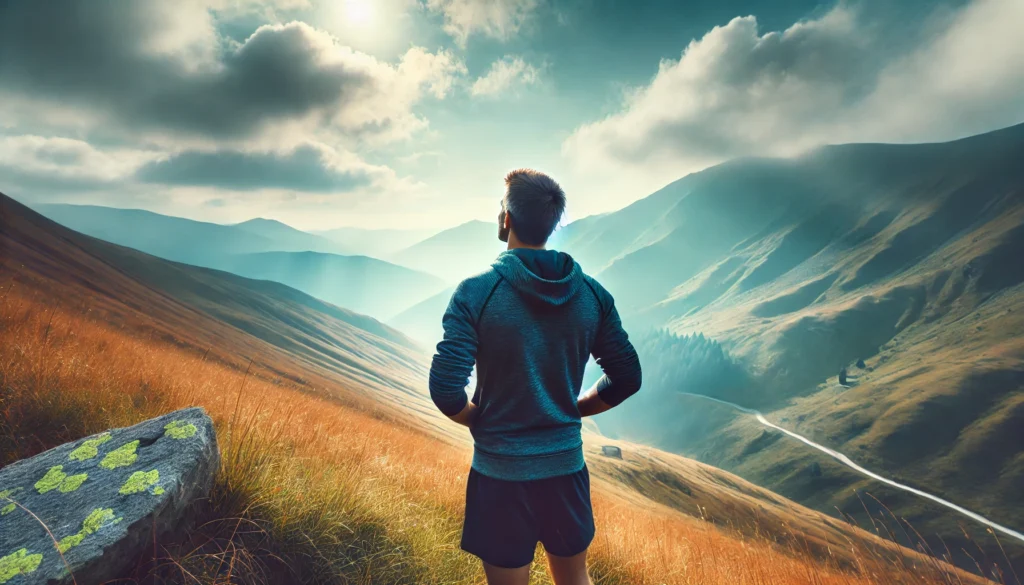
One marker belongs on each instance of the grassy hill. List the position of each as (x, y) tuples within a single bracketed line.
[(332, 458), (905, 256), (422, 321)]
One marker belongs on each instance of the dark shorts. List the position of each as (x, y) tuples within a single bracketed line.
[(506, 519)]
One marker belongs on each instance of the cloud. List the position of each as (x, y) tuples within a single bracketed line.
[(499, 19), (836, 78), (309, 168), (48, 164), (505, 74), (163, 68)]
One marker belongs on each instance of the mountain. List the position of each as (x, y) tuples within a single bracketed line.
[(422, 321), (348, 355), (455, 253), (908, 257), (286, 238), (361, 284), (379, 243), (258, 248), (180, 239)]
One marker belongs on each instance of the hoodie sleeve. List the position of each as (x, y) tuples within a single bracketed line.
[(456, 355), (616, 356)]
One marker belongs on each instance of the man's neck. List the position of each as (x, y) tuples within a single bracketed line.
[(513, 243)]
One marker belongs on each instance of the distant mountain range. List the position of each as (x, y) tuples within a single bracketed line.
[(258, 248)]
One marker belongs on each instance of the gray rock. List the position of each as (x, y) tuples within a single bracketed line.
[(104, 499)]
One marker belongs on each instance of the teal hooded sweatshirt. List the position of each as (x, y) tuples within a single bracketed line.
[(530, 324)]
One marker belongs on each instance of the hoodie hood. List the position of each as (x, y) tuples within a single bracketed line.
[(549, 276)]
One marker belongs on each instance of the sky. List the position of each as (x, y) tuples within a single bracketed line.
[(408, 113)]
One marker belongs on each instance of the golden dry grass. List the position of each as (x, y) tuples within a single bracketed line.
[(312, 491)]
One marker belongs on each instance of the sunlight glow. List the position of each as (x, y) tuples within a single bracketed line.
[(359, 12)]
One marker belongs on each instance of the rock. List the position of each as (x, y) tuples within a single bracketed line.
[(815, 469), (861, 364), (611, 451), (103, 498), (842, 376)]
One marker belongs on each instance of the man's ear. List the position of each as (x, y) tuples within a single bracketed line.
[(508, 222)]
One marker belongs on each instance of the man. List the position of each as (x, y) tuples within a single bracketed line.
[(530, 323)]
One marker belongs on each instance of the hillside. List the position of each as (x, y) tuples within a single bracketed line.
[(905, 256), (422, 321), (359, 283), (455, 253), (337, 433), (347, 353)]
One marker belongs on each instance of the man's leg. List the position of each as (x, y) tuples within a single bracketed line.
[(502, 576), (569, 570)]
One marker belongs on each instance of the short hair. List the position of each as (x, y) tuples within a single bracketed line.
[(536, 203)]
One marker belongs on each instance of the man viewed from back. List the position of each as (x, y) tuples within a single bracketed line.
[(530, 323)]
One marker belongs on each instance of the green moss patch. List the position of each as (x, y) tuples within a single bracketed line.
[(96, 519), (5, 496), (18, 563), (72, 483), (180, 429), (56, 479), (51, 480), (141, 481), (121, 457), (89, 448)]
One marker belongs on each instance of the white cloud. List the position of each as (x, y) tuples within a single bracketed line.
[(508, 73), (499, 19), (738, 92), (48, 163)]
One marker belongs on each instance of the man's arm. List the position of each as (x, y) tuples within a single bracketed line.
[(620, 363), (453, 362)]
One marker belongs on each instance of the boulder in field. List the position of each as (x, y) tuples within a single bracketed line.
[(103, 499)]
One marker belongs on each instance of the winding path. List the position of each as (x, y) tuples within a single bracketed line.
[(849, 463)]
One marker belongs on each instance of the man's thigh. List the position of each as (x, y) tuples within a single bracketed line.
[(569, 570), (503, 576)]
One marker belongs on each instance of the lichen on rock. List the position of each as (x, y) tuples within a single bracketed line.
[(72, 482), (141, 481), (89, 448), (5, 500), (18, 563), (121, 457), (96, 519), (52, 480), (180, 429), (107, 503), (56, 479)]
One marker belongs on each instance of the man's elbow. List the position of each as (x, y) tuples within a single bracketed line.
[(448, 402), (631, 384)]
